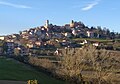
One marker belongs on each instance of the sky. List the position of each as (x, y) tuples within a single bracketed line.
[(19, 15)]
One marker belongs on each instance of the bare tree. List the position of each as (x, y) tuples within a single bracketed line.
[(72, 65), (44, 63), (75, 61), (101, 64)]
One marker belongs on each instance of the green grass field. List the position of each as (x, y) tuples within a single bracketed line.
[(13, 70)]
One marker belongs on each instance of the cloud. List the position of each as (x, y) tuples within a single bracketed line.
[(14, 5), (90, 5)]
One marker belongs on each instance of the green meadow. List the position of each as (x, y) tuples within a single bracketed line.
[(13, 70)]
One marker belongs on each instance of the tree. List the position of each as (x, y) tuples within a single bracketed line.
[(42, 63), (101, 64), (112, 35), (75, 61), (72, 65)]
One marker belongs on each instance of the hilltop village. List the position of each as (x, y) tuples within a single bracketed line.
[(50, 39)]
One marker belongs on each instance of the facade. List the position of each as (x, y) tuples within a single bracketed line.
[(90, 34), (96, 44), (68, 35), (10, 48), (2, 37)]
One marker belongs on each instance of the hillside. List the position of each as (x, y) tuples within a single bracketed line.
[(14, 70)]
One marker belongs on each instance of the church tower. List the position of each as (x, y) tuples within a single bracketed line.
[(46, 24), (72, 24)]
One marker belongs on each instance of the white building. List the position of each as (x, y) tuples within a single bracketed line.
[(90, 34), (2, 37)]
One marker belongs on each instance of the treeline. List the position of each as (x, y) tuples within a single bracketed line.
[(104, 33)]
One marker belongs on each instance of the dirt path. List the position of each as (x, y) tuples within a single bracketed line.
[(12, 82)]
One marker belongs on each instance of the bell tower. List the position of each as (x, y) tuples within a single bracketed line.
[(46, 24), (72, 24)]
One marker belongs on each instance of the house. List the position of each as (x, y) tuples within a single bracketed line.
[(90, 34), (33, 38), (56, 35), (17, 51), (32, 31), (96, 44), (31, 44), (10, 44), (67, 34), (15, 36), (10, 48), (38, 43), (25, 36), (42, 36), (37, 32), (24, 51), (58, 52), (21, 50), (74, 32), (10, 40), (24, 32), (2, 37)]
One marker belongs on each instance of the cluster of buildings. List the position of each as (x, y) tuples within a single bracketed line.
[(47, 36)]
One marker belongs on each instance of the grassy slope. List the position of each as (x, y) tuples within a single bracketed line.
[(10, 70), (92, 39)]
